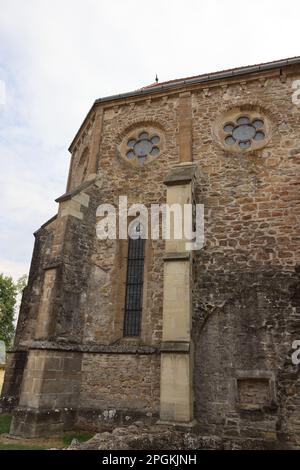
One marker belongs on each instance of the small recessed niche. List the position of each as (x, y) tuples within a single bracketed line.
[(253, 393)]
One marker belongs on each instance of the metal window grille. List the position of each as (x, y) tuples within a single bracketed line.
[(134, 287)]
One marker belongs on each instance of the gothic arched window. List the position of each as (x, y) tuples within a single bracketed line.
[(134, 287)]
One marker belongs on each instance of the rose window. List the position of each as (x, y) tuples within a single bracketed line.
[(244, 132), (143, 147)]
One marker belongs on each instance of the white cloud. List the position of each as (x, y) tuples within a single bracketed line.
[(57, 57), (13, 269)]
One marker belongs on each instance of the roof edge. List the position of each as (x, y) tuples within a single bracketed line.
[(245, 70), (205, 78)]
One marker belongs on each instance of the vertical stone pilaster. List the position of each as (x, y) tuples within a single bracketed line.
[(185, 127), (176, 397), (177, 297)]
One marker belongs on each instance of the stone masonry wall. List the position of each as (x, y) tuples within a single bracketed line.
[(140, 185), (124, 385), (246, 306), (243, 294)]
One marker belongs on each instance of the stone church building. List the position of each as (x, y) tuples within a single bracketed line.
[(111, 331)]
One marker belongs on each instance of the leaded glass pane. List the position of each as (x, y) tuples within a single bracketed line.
[(142, 148), (130, 154), (155, 139), (243, 120), (144, 135), (228, 127), (131, 142), (142, 160), (245, 145), (258, 123), (154, 151), (259, 136), (244, 132), (230, 140)]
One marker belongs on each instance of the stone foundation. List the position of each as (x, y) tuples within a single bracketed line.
[(30, 422)]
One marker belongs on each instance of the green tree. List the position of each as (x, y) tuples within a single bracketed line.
[(21, 283), (8, 297)]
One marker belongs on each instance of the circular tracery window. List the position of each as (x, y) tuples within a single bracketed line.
[(142, 145), (244, 131)]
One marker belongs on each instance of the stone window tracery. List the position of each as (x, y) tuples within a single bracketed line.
[(143, 145), (244, 131)]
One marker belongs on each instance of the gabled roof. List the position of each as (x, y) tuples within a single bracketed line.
[(159, 87), (223, 74), (227, 73)]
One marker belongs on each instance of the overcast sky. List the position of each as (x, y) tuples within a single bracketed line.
[(58, 56)]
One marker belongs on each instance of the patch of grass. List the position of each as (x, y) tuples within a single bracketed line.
[(81, 436), (5, 421)]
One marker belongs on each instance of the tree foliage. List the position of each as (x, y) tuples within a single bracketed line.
[(8, 298), (21, 283)]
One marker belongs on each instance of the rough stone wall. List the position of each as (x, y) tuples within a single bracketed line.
[(73, 276), (123, 384), (244, 315), (246, 306), (126, 382), (142, 185), (251, 199)]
